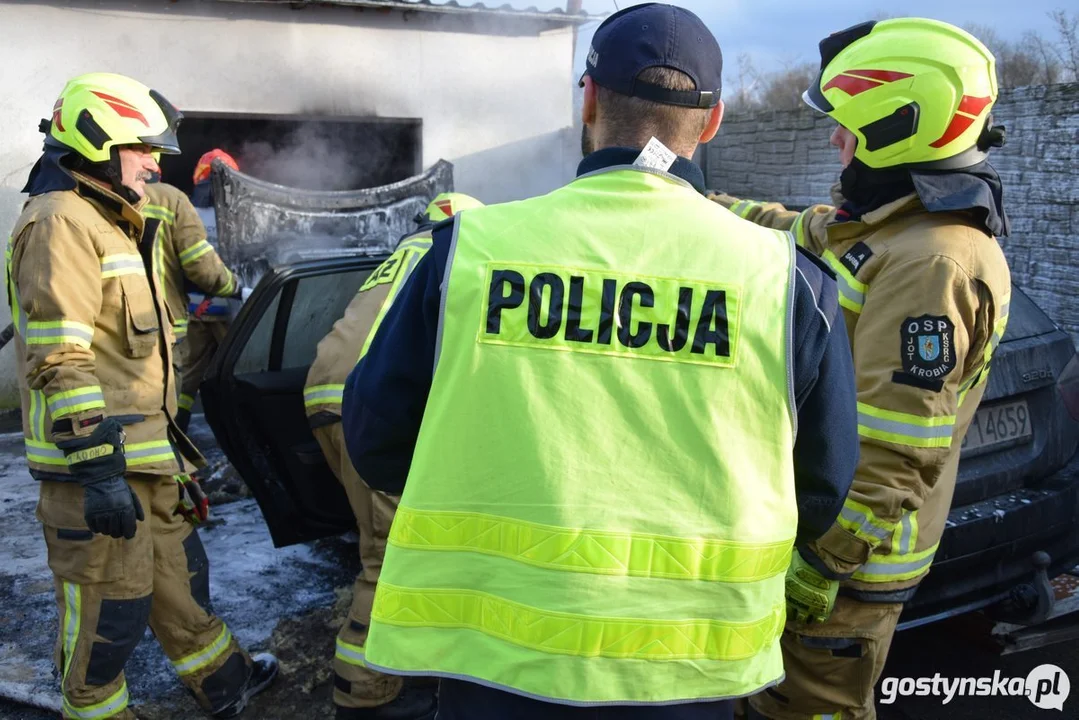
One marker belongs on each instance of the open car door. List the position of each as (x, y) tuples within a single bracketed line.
[(253, 395)]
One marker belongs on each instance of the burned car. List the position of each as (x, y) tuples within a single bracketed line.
[(1014, 516)]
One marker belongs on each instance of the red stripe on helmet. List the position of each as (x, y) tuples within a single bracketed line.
[(974, 105), (56, 112), (445, 206), (854, 82), (122, 107), (969, 109), (850, 84), (956, 127), (887, 76)]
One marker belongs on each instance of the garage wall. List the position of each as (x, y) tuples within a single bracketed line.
[(785, 156), (494, 93)]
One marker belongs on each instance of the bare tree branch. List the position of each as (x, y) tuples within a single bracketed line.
[(1035, 59), (1067, 45)]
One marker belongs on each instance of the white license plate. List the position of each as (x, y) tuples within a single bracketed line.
[(998, 425)]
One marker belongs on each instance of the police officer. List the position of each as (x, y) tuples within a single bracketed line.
[(359, 692), (593, 397), (98, 402), (925, 289)]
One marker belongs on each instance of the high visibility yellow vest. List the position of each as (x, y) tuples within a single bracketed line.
[(601, 505)]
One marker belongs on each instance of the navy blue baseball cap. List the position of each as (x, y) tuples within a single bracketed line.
[(656, 35)]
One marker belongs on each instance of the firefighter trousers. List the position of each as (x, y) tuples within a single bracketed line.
[(108, 590), (195, 352), (831, 668), (355, 686)]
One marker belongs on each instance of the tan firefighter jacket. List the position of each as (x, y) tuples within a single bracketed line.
[(90, 337), (350, 337), (181, 251), (925, 298)]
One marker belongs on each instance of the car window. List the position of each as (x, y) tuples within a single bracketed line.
[(319, 302), (255, 356)]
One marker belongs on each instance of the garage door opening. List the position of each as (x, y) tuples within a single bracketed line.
[(308, 152)]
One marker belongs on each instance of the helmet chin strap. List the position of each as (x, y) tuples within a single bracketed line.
[(115, 174), (107, 172)]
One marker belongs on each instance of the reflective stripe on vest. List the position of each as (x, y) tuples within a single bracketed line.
[(160, 212), (901, 562), (157, 262), (110, 707), (742, 208), (205, 657), (38, 450), (904, 428), (69, 636), (393, 271), (860, 520), (585, 520), (75, 401), (349, 653), (121, 264), (323, 395), (896, 567), (145, 453), (800, 228), (194, 252), (396, 270), (59, 332)]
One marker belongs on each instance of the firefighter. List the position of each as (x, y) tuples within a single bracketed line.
[(359, 692), (925, 290), (201, 285), (183, 257), (593, 397), (98, 400), (202, 193)]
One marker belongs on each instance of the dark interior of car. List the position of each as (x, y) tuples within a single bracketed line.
[(254, 397)]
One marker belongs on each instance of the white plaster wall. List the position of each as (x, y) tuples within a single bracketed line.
[(494, 94)]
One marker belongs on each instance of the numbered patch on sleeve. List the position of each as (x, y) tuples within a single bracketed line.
[(386, 272), (928, 347)]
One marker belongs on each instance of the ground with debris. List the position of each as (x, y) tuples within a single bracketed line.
[(291, 601)]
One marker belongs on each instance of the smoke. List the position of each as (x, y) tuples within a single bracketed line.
[(320, 156)]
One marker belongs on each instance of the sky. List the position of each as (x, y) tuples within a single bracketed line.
[(779, 32)]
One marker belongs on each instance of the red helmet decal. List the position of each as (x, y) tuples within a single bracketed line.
[(445, 206), (854, 82), (969, 110), (122, 107), (56, 119)]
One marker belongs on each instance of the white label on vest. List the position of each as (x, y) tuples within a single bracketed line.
[(655, 156)]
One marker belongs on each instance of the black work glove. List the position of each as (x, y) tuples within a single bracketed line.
[(111, 507), (97, 462)]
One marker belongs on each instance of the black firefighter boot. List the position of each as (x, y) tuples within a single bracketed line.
[(414, 702), (263, 671)]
